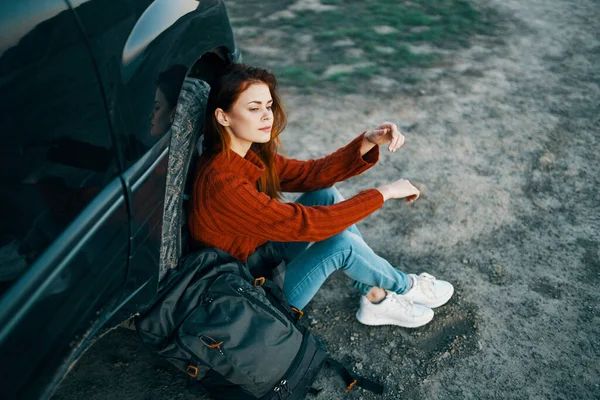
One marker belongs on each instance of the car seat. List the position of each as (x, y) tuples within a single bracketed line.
[(186, 131)]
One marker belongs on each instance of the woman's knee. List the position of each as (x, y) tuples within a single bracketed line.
[(322, 197), (345, 241)]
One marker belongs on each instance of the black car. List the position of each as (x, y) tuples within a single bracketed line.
[(87, 95)]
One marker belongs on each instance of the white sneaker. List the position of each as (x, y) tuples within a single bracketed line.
[(393, 310), (428, 291)]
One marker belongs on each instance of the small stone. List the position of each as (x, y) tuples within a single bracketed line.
[(343, 43), (547, 159), (384, 29), (465, 261), (385, 49), (419, 29), (371, 334), (354, 53)]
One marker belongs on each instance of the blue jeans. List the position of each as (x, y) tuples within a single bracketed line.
[(309, 266)]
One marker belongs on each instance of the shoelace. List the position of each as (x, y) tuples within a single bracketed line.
[(425, 282), (394, 298), (427, 276)]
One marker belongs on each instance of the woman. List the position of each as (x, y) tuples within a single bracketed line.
[(236, 207)]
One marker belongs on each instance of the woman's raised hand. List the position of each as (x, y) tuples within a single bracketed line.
[(386, 133), (400, 189)]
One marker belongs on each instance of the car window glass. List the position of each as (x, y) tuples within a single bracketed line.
[(57, 152), (132, 54)]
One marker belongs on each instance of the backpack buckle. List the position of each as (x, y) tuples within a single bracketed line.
[(351, 385), (192, 371), (258, 282), (299, 313)]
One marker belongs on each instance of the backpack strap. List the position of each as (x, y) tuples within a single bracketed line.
[(275, 291), (314, 391), (353, 379), (192, 373)]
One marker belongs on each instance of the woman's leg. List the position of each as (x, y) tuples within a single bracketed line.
[(325, 197), (347, 252), (309, 265), (350, 239)]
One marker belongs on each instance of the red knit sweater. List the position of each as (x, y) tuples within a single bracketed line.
[(228, 212)]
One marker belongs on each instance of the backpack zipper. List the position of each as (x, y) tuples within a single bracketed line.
[(253, 300), (208, 299), (281, 304), (282, 386)]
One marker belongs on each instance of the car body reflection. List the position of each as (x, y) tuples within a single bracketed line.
[(83, 160)]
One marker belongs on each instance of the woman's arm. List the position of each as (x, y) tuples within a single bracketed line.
[(366, 146), (302, 176), (351, 160), (236, 207)]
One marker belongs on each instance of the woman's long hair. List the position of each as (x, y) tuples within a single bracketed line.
[(223, 94)]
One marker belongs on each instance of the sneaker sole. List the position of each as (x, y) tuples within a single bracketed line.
[(389, 321)]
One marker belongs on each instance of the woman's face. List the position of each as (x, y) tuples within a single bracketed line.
[(250, 119), (160, 119)]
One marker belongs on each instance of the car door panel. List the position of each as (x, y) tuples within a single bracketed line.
[(134, 43), (66, 295), (65, 223)]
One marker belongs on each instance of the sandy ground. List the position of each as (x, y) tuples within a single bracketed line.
[(504, 143)]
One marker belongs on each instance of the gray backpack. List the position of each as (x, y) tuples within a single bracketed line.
[(234, 334)]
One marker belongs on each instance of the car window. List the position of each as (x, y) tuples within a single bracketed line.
[(142, 63), (57, 152)]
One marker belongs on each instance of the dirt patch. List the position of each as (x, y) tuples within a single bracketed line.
[(384, 353)]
